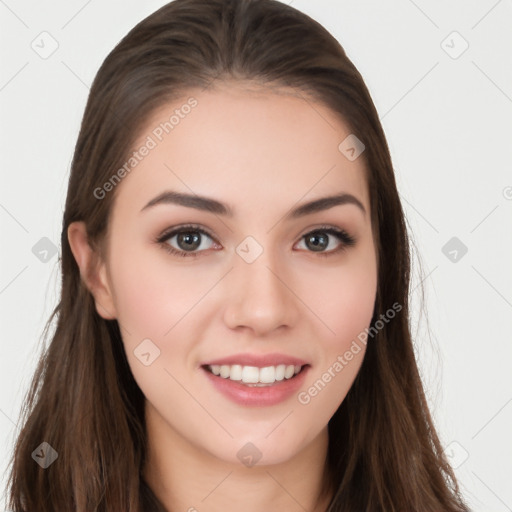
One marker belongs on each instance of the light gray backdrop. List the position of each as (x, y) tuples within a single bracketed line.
[(440, 74)]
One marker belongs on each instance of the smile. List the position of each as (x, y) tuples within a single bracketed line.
[(253, 375)]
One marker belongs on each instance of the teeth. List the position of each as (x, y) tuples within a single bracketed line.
[(255, 375)]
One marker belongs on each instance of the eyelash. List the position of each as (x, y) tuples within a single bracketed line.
[(346, 239)]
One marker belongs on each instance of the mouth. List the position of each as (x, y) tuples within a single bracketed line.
[(254, 376)]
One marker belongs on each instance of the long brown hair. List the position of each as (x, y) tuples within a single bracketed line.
[(384, 453)]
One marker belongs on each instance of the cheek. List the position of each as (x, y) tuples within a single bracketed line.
[(344, 299), (158, 301), (152, 295)]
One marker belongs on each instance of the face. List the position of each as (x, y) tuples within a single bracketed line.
[(250, 278)]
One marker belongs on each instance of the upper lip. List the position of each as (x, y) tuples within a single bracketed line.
[(258, 360)]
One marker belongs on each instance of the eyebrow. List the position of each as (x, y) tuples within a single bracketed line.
[(213, 206)]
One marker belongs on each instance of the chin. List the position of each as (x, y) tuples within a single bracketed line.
[(260, 450)]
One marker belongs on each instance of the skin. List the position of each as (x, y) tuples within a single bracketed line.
[(262, 152)]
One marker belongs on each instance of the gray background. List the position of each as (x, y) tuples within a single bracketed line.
[(447, 116)]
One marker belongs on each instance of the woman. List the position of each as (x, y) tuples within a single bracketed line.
[(269, 365)]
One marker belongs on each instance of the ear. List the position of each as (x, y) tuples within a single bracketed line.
[(93, 270)]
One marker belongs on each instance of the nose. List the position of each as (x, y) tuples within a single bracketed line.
[(262, 298)]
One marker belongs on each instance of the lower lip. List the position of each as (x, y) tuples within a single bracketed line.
[(258, 395)]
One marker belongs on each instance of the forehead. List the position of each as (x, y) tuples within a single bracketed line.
[(247, 146)]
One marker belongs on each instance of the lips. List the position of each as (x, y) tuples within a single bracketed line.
[(258, 360), (257, 395)]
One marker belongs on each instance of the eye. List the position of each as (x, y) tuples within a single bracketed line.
[(318, 240), (188, 238)]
